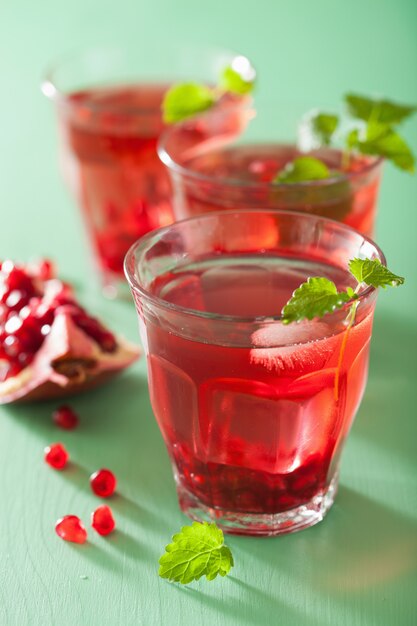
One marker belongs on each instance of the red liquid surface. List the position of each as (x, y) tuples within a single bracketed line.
[(352, 201), (254, 428), (116, 174)]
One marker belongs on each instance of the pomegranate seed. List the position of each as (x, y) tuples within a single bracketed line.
[(13, 324), (71, 528), (24, 359), (65, 417), (7, 266), (11, 346), (56, 456), (103, 483), (92, 327), (46, 269), (102, 520), (16, 300)]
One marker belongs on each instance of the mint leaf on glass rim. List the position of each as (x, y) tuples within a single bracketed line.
[(324, 126), (238, 77), (383, 111), (185, 100), (372, 272), (318, 295), (302, 169), (381, 140), (197, 550), (314, 298)]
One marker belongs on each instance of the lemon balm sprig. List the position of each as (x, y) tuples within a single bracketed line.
[(187, 99), (318, 295), (197, 550), (374, 132)]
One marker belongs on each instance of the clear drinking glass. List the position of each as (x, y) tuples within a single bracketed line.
[(254, 413), (108, 103), (212, 169)]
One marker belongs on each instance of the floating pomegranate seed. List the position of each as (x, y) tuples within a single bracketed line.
[(103, 483), (65, 417), (102, 520), (71, 528), (56, 456)]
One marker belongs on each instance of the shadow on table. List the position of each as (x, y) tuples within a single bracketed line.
[(361, 542), (120, 434), (387, 414), (247, 604)]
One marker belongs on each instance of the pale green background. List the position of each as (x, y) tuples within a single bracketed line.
[(355, 569)]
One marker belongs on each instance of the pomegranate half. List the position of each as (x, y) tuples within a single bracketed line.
[(49, 345)]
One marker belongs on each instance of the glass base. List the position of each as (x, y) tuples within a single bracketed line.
[(260, 524)]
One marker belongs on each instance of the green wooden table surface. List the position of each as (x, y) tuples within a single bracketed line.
[(357, 568)]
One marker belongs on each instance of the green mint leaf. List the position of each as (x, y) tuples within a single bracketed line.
[(196, 551), (301, 170), (352, 139), (314, 298), (324, 126), (374, 273), (239, 77), (185, 100), (381, 140), (383, 111)]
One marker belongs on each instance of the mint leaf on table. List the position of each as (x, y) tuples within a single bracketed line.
[(323, 126), (302, 169), (185, 100), (314, 298), (239, 77), (381, 140), (196, 551), (383, 111), (372, 272)]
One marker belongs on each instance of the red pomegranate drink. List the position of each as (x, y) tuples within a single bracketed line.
[(109, 114), (123, 190), (254, 413), (211, 170)]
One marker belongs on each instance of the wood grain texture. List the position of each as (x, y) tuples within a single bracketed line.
[(358, 567)]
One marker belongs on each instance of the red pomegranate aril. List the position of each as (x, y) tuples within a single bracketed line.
[(24, 359), (7, 266), (45, 330), (94, 328), (103, 483), (11, 346), (71, 528), (4, 313), (56, 456), (102, 520), (13, 324), (46, 269), (17, 279), (16, 300), (65, 417)]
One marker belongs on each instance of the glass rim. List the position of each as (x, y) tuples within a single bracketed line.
[(49, 82), (177, 168), (141, 244)]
